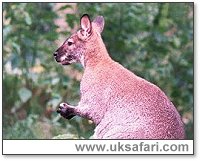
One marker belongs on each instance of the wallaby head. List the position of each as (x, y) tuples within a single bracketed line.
[(75, 47)]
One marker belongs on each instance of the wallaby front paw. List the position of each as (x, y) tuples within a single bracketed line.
[(66, 111)]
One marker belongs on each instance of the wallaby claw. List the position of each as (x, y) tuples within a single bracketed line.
[(65, 111)]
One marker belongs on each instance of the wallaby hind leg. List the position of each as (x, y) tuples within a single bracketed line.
[(66, 111)]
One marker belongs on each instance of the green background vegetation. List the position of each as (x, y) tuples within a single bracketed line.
[(154, 40)]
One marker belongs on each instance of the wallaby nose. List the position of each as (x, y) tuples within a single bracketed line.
[(56, 57), (55, 53)]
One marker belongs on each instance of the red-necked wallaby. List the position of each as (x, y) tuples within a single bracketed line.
[(121, 104)]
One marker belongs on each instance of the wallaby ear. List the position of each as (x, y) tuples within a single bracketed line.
[(86, 25), (99, 23)]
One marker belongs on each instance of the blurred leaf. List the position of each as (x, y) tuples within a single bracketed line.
[(66, 136), (65, 7), (70, 19), (16, 47), (28, 19), (177, 42), (6, 30), (55, 81), (24, 94), (54, 102)]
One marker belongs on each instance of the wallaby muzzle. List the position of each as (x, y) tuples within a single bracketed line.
[(62, 58)]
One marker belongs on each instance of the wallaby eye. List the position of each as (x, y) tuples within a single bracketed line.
[(69, 43)]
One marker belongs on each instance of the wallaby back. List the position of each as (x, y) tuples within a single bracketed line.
[(121, 104)]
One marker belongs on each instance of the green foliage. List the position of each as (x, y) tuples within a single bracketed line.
[(21, 129), (154, 40)]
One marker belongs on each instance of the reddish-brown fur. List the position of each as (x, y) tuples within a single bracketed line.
[(121, 104)]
